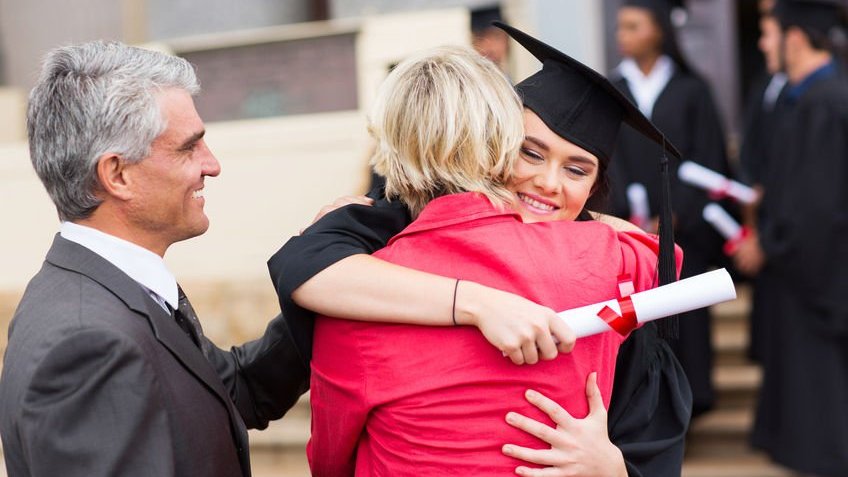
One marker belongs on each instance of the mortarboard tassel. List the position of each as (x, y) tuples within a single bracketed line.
[(666, 265)]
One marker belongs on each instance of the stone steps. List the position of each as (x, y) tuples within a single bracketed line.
[(718, 442), (720, 434), (280, 450), (752, 465)]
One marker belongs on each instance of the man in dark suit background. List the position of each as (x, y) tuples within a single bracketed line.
[(107, 371)]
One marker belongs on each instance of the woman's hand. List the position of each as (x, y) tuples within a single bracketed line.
[(579, 447), (341, 202), (523, 330), (618, 224)]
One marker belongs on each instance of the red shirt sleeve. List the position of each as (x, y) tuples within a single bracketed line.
[(639, 258)]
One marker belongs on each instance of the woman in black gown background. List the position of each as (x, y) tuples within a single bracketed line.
[(655, 75)]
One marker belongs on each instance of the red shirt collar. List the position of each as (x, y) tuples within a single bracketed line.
[(455, 209)]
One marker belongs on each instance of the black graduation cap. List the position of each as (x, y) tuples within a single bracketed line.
[(661, 8), (577, 102), (816, 15), (583, 107), (482, 18)]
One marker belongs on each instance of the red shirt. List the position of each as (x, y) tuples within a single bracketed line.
[(396, 400)]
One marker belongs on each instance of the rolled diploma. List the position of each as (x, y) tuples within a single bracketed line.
[(637, 197), (722, 221), (690, 294), (700, 176)]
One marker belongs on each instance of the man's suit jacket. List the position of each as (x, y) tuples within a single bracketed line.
[(99, 379)]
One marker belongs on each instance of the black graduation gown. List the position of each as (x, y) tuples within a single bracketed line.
[(686, 114), (801, 420), (651, 402), (760, 116), (757, 131)]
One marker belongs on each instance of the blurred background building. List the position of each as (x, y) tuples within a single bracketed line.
[(286, 85)]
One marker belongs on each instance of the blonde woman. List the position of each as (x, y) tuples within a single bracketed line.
[(412, 400)]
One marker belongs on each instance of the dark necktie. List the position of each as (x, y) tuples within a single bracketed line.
[(186, 318)]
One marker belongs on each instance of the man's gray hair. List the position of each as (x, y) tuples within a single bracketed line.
[(92, 99)]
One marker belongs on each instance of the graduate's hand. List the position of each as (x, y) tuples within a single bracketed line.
[(579, 447), (341, 202), (749, 257), (617, 224), (523, 330)]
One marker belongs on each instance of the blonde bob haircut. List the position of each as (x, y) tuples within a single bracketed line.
[(446, 120)]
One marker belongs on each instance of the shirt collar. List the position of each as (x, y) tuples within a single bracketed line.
[(647, 88), (795, 91), (140, 264), (455, 209)]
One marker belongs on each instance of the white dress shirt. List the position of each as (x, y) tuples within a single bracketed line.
[(647, 88), (142, 265)]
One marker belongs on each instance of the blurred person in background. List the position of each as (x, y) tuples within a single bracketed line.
[(658, 79), (754, 160), (801, 237), (487, 39)]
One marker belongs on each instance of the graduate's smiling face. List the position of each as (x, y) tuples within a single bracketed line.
[(553, 178)]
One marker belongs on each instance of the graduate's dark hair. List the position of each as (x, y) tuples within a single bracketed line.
[(669, 46), (826, 28)]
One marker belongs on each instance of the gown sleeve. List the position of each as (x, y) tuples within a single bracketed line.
[(350, 230), (650, 407)]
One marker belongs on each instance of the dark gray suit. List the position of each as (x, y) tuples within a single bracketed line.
[(99, 380)]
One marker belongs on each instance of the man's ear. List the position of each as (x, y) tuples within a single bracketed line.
[(794, 35), (111, 174)]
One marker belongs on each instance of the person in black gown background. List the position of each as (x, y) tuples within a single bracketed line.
[(655, 75), (802, 224), (760, 116)]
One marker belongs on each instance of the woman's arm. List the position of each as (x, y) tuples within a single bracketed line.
[(396, 294), (578, 446), (326, 270)]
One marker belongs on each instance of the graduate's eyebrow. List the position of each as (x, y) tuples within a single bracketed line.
[(542, 144), (583, 160), (576, 158)]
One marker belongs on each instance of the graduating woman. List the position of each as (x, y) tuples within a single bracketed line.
[(650, 418), (658, 79)]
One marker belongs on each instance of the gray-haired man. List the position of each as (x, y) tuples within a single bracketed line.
[(107, 371)]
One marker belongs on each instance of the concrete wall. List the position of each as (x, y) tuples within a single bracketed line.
[(12, 115), (30, 28), (177, 18), (357, 8), (575, 28), (309, 75)]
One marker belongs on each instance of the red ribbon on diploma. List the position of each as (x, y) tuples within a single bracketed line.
[(731, 245), (626, 322), (721, 192)]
